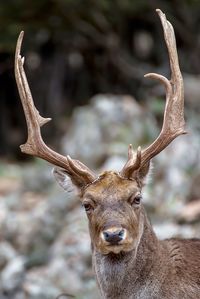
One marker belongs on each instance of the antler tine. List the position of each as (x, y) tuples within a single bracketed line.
[(173, 122), (35, 145), (133, 162)]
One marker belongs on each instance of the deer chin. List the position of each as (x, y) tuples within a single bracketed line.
[(106, 249)]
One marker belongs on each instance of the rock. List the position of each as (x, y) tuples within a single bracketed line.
[(41, 171), (175, 169), (35, 224), (190, 212), (9, 185), (37, 286), (105, 128), (169, 229), (65, 277), (13, 274), (194, 191), (7, 253)]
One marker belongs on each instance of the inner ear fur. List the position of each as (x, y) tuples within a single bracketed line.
[(66, 180)]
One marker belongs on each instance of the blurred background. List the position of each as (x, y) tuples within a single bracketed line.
[(85, 62)]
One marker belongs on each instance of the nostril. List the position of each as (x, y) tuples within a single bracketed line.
[(114, 237), (106, 235), (121, 233)]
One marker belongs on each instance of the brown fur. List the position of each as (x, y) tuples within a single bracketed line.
[(144, 267)]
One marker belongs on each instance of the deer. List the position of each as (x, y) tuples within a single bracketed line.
[(128, 259)]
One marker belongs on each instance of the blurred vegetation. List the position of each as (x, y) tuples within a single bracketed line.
[(75, 49)]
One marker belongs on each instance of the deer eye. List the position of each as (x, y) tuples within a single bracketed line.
[(88, 207), (136, 199)]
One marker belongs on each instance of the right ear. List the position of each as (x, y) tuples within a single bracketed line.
[(65, 180)]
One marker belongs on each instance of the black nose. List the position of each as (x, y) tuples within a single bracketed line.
[(113, 237)]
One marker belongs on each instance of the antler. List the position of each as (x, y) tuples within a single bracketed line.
[(35, 145), (173, 123)]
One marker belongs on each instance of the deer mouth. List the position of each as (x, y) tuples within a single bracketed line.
[(115, 241), (116, 249)]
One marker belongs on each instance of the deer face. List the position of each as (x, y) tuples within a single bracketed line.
[(114, 211), (113, 208)]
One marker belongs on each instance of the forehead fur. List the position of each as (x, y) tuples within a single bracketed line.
[(111, 184)]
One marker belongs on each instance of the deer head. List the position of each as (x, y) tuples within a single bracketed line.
[(112, 200)]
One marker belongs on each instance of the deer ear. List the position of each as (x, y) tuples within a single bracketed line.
[(142, 173), (65, 180)]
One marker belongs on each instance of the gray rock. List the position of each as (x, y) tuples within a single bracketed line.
[(7, 253), (37, 286), (105, 128), (13, 273), (169, 229)]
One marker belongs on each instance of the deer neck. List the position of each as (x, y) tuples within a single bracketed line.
[(117, 275)]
